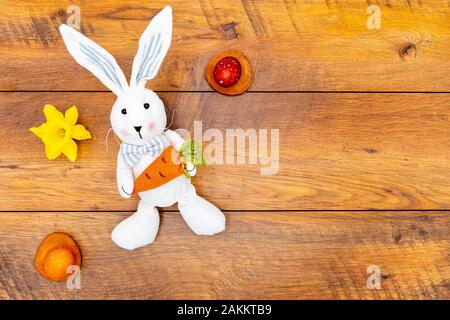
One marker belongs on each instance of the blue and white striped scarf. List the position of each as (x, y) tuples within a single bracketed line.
[(132, 153)]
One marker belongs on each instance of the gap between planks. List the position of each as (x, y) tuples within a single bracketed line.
[(244, 211), (247, 92)]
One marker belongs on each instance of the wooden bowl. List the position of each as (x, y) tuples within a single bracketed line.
[(244, 81)]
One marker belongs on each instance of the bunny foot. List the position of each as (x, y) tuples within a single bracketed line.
[(201, 216), (137, 230)]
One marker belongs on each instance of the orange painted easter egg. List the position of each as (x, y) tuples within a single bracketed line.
[(55, 256)]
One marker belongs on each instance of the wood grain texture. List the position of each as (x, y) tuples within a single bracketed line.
[(282, 255), (293, 45), (337, 151)]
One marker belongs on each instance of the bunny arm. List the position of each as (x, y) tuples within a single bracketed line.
[(177, 141), (174, 138), (125, 179)]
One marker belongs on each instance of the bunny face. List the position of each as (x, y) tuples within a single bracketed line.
[(138, 115)]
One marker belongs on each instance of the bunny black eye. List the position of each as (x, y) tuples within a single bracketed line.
[(146, 105), (124, 111)]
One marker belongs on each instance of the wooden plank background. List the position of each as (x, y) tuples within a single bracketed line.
[(298, 254), (363, 122), (293, 45), (337, 151)]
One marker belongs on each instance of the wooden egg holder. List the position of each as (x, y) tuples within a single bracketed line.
[(244, 81)]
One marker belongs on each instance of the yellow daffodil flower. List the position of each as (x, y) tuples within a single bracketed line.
[(59, 130)]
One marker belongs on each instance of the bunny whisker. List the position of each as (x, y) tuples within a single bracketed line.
[(107, 136), (106, 139), (171, 120)]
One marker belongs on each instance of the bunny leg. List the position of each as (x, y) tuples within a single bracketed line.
[(201, 216), (138, 229)]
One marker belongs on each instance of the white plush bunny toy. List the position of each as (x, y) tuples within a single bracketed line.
[(146, 164)]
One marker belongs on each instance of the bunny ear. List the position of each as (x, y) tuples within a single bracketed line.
[(94, 58), (153, 46)]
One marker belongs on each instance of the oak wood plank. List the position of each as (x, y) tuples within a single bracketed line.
[(336, 151), (268, 255), (293, 45)]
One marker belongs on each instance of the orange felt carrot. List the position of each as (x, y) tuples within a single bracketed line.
[(163, 169)]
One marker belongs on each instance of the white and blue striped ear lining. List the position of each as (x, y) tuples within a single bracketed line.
[(150, 57), (132, 153), (102, 62)]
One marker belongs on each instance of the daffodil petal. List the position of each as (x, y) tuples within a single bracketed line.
[(52, 152), (54, 134), (79, 132), (71, 115), (70, 150), (51, 113), (39, 131)]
